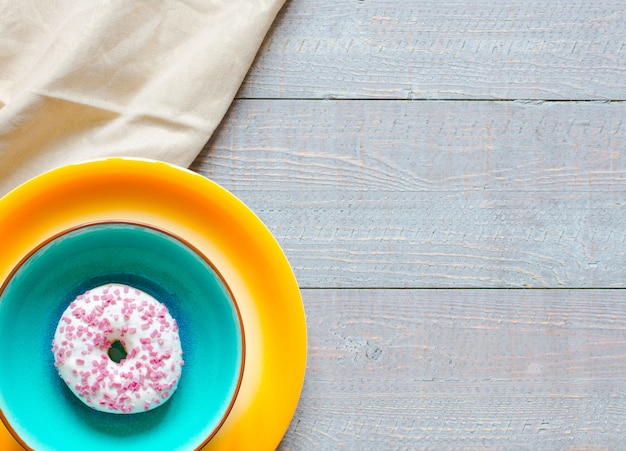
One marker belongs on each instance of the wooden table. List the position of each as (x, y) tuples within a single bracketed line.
[(448, 181)]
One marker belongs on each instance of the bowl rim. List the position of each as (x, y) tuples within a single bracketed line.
[(185, 242)]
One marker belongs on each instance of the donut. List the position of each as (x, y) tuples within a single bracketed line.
[(118, 350)]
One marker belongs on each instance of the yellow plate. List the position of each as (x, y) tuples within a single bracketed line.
[(220, 226)]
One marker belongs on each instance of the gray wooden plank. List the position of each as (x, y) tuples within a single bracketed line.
[(463, 369), (433, 194), (444, 49)]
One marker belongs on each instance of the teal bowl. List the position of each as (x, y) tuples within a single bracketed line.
[(36, 405)]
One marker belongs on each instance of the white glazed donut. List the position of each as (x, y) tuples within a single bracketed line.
[(149, 373)]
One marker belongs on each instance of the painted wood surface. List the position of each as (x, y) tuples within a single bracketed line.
[(444, 49), (433, 194), (413, 158), (463, 369)]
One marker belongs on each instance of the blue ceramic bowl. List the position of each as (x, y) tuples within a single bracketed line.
[(37, 406)]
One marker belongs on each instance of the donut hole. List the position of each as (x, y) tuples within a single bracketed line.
[(117, 352)]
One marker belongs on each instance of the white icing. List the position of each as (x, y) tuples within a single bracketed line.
[(148, 375)]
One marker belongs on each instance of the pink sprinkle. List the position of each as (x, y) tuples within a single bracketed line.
[(80, 362)]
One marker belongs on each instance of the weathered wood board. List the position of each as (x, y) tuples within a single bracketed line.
[(444, 49), (398, 148), (433, 194), (471, 369)]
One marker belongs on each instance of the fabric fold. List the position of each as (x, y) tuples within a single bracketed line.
[(151, 79)]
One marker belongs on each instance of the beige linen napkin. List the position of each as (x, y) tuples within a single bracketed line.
[(143, 78)]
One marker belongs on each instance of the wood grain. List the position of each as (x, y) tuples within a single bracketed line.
[(443, 49), (470, 369), (433, 194), (397, 145)]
